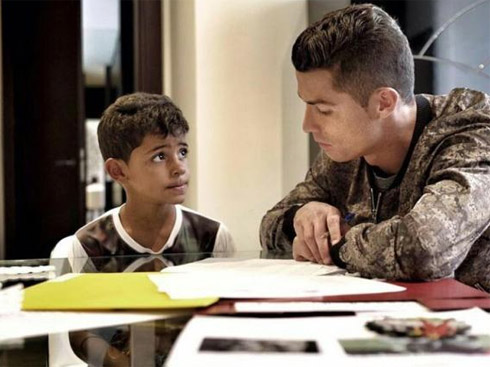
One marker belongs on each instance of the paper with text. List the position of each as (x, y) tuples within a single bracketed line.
[(261, 278), (307, 341)]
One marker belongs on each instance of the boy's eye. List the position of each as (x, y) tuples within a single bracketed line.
[(183, 152), (159, 157)]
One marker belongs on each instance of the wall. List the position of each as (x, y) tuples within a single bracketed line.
[(466, 42), (2, 199), (316, 10), (237, 88)]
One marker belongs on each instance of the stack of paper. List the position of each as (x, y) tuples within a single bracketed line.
[(232, 278), (256, 266)]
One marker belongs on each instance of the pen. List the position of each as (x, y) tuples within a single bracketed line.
[(349, 216)]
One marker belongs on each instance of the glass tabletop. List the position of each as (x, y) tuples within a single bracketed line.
[(145, 343)]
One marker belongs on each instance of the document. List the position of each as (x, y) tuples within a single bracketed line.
[(24, 324), (261, 278), (256, 266), (230, 341), (292, 307), (321, 341), (207, 285)]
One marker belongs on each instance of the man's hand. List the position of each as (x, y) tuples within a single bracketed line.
[(318, 226)]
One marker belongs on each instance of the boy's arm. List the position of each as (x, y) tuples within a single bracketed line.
[(224, 246), (276, 229), (69, 248), (434, 238)]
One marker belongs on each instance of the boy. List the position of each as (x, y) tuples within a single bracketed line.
[(142, 138), (400, 189)]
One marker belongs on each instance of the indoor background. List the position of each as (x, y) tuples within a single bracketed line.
[(226, 63)]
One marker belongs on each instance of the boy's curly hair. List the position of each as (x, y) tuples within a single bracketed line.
[(126, 122)]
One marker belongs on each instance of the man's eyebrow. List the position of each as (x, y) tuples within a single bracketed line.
[(316, 101)]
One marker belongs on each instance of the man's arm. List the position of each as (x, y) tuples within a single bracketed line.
[(277, 226), (433, 239)]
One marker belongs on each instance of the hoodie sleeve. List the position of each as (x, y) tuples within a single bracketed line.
[(436, 235), (276, 228)]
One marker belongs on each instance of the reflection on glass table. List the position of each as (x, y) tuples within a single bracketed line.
[(139, 344)]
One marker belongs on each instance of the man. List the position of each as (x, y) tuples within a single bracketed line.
[(401, 187)]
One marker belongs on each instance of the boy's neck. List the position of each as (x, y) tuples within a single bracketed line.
[(150, 226)]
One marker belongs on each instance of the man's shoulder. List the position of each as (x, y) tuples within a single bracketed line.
[(458, 101)]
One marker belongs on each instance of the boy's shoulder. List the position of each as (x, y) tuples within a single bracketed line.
[(102, 237), (197, 232), (190, 213), (198, 223)]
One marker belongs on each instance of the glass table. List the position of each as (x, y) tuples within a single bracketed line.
[(148, 343), (138, 344)]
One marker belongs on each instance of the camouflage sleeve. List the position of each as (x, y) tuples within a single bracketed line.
[(313, 188), (433, 239)]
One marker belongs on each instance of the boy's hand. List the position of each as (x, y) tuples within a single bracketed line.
[(318, 226)]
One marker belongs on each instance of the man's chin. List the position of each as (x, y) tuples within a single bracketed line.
[(337, 157)]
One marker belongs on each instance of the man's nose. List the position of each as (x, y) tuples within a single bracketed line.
[(309, 124)]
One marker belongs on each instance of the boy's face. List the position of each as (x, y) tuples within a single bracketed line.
[(157, 171)]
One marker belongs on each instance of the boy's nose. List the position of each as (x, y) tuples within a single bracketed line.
[(178, 168)]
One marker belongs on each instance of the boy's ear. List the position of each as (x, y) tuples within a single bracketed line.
[(383, 102), (116, 168)]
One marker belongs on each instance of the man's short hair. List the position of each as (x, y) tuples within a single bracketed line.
[(126, 122), (363, 47)]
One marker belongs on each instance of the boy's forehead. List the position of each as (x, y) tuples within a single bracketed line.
[(165, 139)]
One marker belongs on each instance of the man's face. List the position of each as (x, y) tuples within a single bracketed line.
[(339, 124), (157, 171)]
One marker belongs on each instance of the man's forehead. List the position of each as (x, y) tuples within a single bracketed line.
[(316, 87)]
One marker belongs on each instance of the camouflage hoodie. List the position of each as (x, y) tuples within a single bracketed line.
[(433, 222)]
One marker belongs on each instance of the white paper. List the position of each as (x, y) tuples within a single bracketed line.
[(23, 324), (256, 267), (186, 349), (236, 285), (323, 331), (11, 299), (278, 307), (261, 278)]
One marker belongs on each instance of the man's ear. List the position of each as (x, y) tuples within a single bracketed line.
[(116, 168), (383, 102)]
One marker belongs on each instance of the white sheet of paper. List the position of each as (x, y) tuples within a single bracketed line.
[(236, 285), (248, 330), (279, 342), (261, 278), (278, 307), (256, 266), (23, 324)]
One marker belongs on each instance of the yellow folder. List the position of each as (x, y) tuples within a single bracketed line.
[(103, 291)]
